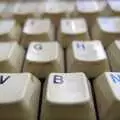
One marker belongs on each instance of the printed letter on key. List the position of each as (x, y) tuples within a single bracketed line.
[(3, 79), (37, 47), (80, 45), (115, 78), (58, 79)]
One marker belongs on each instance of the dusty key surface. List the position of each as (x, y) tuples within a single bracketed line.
[(107, 91), (43, 58), (72, 29), (67, 96), (37, 30), (106, 29), (19, 96), (11, 57), (87, 56)]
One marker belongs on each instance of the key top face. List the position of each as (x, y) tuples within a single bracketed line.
[(24, 10), (87, 6), (90, 10), (86, 55), (107, 87), (11, 33), (2, 7), (46, 51), (8, 10), (114, 6), (43, 58), (15, 98), (72, 29), (32, 26), (89, 50), (37, 30), (114, 82), (110, 25), (72, 88), (70, 11), (68, 24), (25, 7), (54, 7), (54, 10), (4, 26), (107, 30), (11, 57), (15, 94), (67, 92)]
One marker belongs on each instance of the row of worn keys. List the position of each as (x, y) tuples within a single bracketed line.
[(42, 58), (106, 30), (64, 96), (57, 9)]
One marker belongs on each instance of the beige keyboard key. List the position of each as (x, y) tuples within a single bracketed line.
[(89, 9), (24, 10), (2, 7), (55, 10), (37, 30), (67, 96), (88, 57), (112, 8), (72, 29), (19, 96), (114, 55), (11, 57), (106, 29), (43, 58), (8, 10), (9, 30), (70, 11), (107, 91)]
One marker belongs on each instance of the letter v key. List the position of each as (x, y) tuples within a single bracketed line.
[(3, 79)]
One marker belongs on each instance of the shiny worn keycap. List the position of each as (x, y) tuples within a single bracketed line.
[(89, 9), (2, 8), (114, 55), (19, 96), (9, 30), (24, 10), (72, 29), (8, 10), (11, 57), (67, 96), (106, 29), (112, 8), (43, 58), (107, 92), (70, 11), (55, 10), (37, 30), (88, 57)]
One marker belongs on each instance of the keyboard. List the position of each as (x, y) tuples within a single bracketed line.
[(59, 60)]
